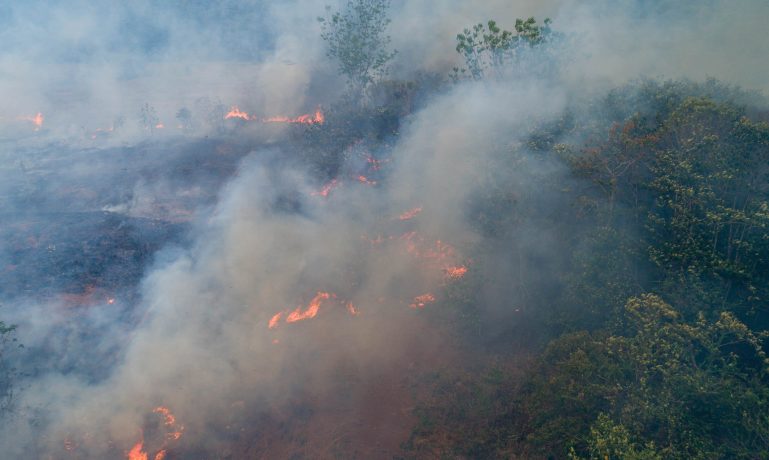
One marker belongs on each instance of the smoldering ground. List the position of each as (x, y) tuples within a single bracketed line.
[(197, 339)]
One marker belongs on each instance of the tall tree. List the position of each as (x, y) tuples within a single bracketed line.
[(356, 37)]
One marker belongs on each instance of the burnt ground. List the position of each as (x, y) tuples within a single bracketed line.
[(79, 228), (82, 224)]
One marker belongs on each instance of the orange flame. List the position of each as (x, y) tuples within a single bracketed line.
[(275, 320), (311, 311), (326, 189), (456, 273), (235, 112), (102, 132), (308, 119), (410, 214), (161, 455), (351, 308), (374, 163), (170, 420), (421, 300), (365, 180), (37, 120), (137, 452)]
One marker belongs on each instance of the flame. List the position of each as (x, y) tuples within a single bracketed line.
[(312, 308), (410, 214), (159, 126), (365, 180), (175, 431), (374, 163), (137, 452), (326, 189), (456, 273), (421, 300), (275, 320), (235, 112), (102, 131), (308, 119), (37, 120), (170, 419)]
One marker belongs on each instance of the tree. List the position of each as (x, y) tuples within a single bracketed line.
[(184, 116), (8, 373), (489, 50), (357, 39), (667, 388), (149, 117)]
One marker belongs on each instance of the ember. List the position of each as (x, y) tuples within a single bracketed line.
[(421, 300), (410, 214), (326, 189)]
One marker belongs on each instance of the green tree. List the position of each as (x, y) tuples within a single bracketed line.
[(356, 37), (489, 50), (693, 389)]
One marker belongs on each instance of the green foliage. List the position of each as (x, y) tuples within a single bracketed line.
[(356, 37), (710, 214), (606, 269), (609, 440), (490, 51), (694, 390)]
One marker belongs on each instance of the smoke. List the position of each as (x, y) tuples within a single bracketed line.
[(197, 339)]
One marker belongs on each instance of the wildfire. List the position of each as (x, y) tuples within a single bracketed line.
[(275, 320), (102, 132), (312, 308), (37, 120), (326, 189), (170, 420), (174, 432), (410, 214), (374, 164), (235, 112), (308, 119), (456, 272), (365, 180), (137, 452), (421, 300)]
